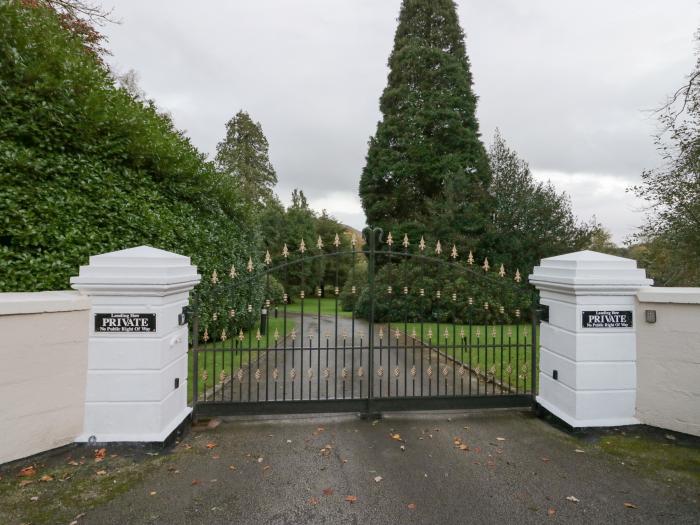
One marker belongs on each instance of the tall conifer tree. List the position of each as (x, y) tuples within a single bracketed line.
[(244, 155), (427, 170)]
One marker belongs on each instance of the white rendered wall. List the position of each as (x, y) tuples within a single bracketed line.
[(136, 382), (596, 367), (668, 359), (43, 365)]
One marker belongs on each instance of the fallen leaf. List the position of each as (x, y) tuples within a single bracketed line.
[(211, 445), (500, 439), (34, 498), (464, 446), (73, 463), (152, 493), (75, 520), (215, 456), (351, 499), (27, 471), (267, 467), (232, 467), (260, 459), (289, 441), (320, 429), (545, 459), (328, 491), (313, 501), (100, 454), (378, 478), (46, 477), (101, 472), (412, 506), (196, 482), (397, 437), (573, 499), (629, 505), (551, 512), (402, 447), (579, 451)]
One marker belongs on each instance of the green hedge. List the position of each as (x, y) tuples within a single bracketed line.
[(86, 168)]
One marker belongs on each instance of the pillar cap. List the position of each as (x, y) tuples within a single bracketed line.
[(589, 271), (143, 270)]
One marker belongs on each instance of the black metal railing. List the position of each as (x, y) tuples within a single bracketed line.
[(314, 356)]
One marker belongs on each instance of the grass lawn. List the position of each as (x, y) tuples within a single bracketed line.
[(328, 307), (215, 356), (503, 353)]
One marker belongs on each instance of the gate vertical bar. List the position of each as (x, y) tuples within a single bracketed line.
[(195, 359), (533, 345), (370, 342)]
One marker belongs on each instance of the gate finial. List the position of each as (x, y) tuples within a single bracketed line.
[(389, 240), (268, 258), (486, 266), (421, 244), (405, 240), (250, 266), (336, 240), (470, 259), (319, 243), (454, 253), (302, 246), (285, 251)]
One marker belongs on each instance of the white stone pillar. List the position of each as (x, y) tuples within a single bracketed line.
[(137, 351), (587, 358)]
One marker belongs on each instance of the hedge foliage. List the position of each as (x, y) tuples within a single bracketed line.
[(87, 168)]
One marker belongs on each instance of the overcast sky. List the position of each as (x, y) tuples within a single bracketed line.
[(570, 84)]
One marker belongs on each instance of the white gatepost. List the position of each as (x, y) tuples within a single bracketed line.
[(137, 351), (588, 374)]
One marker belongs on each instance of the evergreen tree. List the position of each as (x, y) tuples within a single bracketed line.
[(427, 170), (243, 154), (530, 220)]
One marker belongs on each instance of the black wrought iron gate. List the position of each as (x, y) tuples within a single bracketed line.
[(406, 330)]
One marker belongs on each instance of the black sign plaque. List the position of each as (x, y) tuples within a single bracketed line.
[(607, 319), (125, 323)]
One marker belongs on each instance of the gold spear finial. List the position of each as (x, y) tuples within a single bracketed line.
[(214, 277), (438, 248), (502, 271), (470, 259), (454, 253), (232, 272), (336, 240), (268, 257), (421, 244), (250, 266), (302, 246), (517, 276), (389, 239), (405, 240), (319, 243), (486, 266), (285, 251)]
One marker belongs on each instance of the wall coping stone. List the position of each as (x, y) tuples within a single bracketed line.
[(21, 303), (682, 295)]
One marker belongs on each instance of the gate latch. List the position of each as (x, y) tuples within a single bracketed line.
[(184, 316)]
